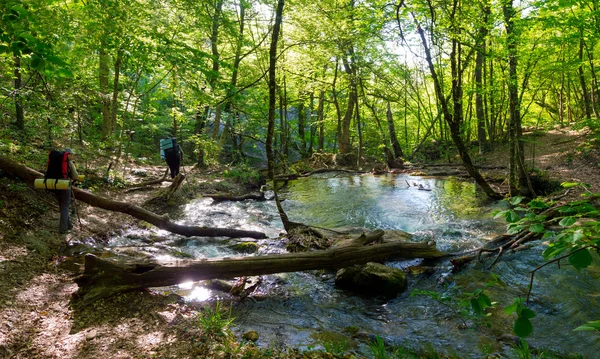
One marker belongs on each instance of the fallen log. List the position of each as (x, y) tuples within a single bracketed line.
[(103, 278), (29, 175), (217, 197), (143, 185)]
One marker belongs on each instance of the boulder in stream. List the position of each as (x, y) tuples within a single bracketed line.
[(372, 279)]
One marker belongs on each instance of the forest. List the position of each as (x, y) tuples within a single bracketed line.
[(263, 95)]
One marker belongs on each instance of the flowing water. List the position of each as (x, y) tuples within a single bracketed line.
[(305, 309)]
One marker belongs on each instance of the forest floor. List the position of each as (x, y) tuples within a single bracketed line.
[(38, 320)]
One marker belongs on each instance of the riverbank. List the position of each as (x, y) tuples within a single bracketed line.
[(36, 276)]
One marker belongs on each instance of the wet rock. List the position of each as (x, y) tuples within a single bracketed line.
[(220, 285), (250, 336), (244, 247), (372, 279)]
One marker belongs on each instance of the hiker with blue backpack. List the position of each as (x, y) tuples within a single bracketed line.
[(172, 153)]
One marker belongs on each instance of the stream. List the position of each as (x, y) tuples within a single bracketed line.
[(305, 310)]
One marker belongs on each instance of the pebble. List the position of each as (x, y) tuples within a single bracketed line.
[(91, 334)]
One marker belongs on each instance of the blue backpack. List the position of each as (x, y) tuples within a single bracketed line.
[(167, 144)]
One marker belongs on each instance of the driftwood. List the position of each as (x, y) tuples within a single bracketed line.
[(103, 278), (143, 185), (287, 177), (507, 242), (29, 175), (226, 197)]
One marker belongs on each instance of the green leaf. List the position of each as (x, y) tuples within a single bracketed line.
[(595, 325), (476, 306), (567, 221), (512, 216), (527, 313), (570, 184), (498, 214), (65, 73), (581, 259), (511, 308), (56, 60), (486, 300), (536, 228), (515, 200), (578, 236), (523, 327), (537, 204), (553, 251), (514, 229)]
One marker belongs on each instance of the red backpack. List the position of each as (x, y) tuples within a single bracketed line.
[(58, 165)]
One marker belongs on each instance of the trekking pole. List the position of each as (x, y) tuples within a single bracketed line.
[(76, 211)]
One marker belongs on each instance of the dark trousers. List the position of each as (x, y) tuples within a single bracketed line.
[(174, 162), (64, 202)]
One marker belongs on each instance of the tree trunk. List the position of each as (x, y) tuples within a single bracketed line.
[(338, 111), (360, 134), (199, 129), (103, 73), (20, 118), (272, 88), (321, 120), (587, 106), (479, 61), (344, 141), (518, 180), (30, 175), (301, 126), (102, 278), (453, 123), (393, 137), (115, 92)]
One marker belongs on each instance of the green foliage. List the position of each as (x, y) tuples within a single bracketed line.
[(465, 305), (379, 349), (215, 321), (593, 325), (337, 348), (243, 174), (522, 327)]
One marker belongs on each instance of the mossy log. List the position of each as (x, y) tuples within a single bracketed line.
[(29, 175), (103, 278)]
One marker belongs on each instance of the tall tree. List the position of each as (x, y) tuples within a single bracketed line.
[(273, 87), (518, 179)]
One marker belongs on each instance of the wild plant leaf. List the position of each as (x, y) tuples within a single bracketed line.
[(537, 204), (527, 313), (512, 217), (553, 251), (476, 306), (581, 259), (578, 235), (594, 325), (515, 200), (536, 228), (523, 327), (567, 221), (570, 184), (567, 210), (485, 301), (514, 229)]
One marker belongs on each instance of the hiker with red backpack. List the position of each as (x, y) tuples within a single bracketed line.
[(61, 167)]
